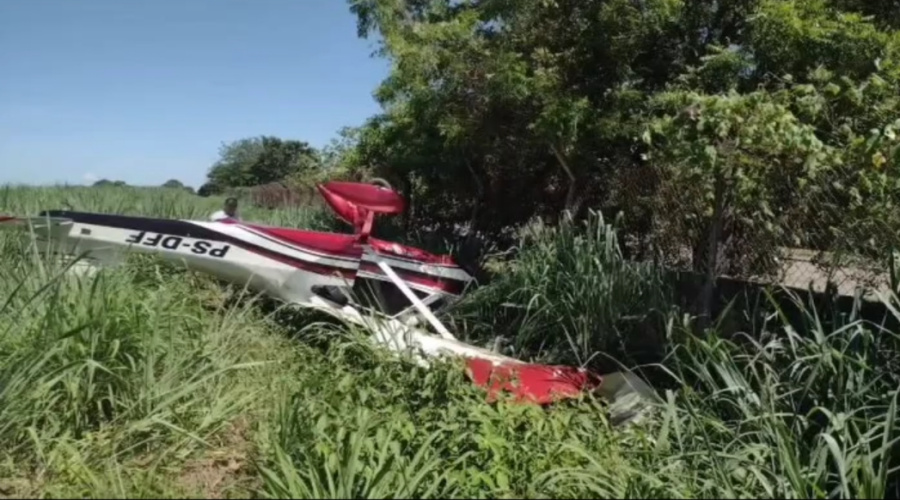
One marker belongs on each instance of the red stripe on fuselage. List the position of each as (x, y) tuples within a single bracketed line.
[(446, 285), (323, 269), (330, 245)]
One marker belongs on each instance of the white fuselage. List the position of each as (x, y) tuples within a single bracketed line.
[(106, 245), (109, 245)]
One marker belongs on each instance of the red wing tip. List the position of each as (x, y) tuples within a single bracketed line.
[(541, 384)]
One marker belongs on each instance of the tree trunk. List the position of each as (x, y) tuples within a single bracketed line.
[(713, 248), (479, 197), (571, 199)]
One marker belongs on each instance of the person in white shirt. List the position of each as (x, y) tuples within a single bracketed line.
[(229, 212)]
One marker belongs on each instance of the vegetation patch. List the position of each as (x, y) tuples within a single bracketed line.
[(150, 380), (579, 151)]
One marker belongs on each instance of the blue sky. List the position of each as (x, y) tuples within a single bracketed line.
[(148, 90)]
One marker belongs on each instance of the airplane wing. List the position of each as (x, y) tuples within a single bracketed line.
[(11, 222)]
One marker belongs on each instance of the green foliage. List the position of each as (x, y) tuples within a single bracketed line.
[(872, 193), (176, 184), (147, 380), (761, 123), (107, 182), (492, 103), (885, 14), (743, 162), (258, 160), (571, 282), (795, 416), (798, 36)]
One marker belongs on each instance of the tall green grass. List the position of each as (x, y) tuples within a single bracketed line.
[(142, 364), (146, 380), (790, 415), (153, 202), (572, 283)]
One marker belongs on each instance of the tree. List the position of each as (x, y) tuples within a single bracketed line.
[(735, 173), (107, 182), (497, 102), (176, 184), (490, 103), (259, 160), (207, 189), (884, 13), (340, 153)]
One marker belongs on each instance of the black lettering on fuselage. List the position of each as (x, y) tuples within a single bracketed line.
[(153, 240), (136, 237), (171, 242), (220, 252), (200, 247), (176, 243)]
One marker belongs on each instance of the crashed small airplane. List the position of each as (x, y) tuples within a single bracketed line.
[(388, 288)]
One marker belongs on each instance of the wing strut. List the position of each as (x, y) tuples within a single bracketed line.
[(416, 302)]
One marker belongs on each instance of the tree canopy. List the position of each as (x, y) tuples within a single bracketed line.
[(258, 160), (770, 108), (176, 184), (107, 182), (763, 121)]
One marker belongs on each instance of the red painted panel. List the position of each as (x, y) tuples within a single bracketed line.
[(335, 244), (541, 384)]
